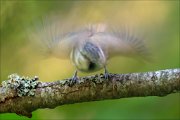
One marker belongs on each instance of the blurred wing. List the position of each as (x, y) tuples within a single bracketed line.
[(57, 38), (122, 43), (45, 35)]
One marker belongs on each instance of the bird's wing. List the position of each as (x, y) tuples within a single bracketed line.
[(122, 43), (54, 38)]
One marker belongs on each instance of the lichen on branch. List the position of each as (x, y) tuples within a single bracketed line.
[(24, 86), (23, 95)]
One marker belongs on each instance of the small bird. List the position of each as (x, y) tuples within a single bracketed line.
[(89, 47)]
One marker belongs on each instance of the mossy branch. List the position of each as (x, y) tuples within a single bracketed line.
[(22, 95)]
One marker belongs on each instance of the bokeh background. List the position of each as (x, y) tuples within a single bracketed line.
[(158, 21)]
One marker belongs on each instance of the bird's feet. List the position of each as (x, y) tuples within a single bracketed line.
[(106, 74), (75, 78)]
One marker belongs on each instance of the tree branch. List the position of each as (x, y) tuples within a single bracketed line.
[(23, 98)]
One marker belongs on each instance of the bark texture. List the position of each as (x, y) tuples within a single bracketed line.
[(90, 88)]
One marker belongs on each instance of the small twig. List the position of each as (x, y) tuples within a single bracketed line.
[(23, 97)]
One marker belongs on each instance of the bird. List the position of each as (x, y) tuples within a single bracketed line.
[(90, 46)]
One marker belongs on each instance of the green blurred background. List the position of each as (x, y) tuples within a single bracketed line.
[(158, 21)]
